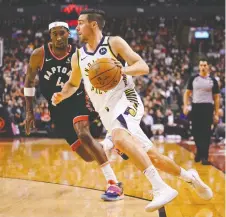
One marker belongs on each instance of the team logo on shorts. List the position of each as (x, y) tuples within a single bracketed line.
[(103, 51), (131, 111)]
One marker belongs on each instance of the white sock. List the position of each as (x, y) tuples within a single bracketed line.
[(185, 175), (108, 172), (154, 178)]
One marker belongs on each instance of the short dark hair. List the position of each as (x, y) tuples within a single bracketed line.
[(203, 58), (95, 15)]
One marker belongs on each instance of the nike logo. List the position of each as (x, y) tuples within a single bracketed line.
[(79, 93), (84, 58), (47, 60), (68, 60)]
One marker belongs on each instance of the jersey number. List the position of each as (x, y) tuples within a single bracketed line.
[(60, 83)]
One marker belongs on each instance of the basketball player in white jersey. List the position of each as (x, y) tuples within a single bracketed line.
[(121, 108)]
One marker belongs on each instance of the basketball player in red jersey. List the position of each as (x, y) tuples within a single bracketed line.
[(52, 63), (114, 107)]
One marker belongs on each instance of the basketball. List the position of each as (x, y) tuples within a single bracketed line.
[(104, 74)]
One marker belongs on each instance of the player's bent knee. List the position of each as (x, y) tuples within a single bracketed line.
[(81, 126), (118, 138), (84, 135)]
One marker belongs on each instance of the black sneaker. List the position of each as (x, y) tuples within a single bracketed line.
[(197, 158), (205, 162)]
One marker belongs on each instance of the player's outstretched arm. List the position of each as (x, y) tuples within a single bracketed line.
[(72, 85), (137, 65), (29, 87)]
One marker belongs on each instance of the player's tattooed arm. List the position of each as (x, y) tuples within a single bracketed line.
[(72, 85), (136, 65), (33, 67)]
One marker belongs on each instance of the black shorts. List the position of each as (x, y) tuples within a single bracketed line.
[(71, 110)]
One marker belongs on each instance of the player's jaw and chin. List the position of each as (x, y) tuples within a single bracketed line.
[(62, 45), (82, 38), (85, 33)]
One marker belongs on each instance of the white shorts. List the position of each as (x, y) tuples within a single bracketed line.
[(127, 116)]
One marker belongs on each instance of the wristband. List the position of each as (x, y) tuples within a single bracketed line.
[(29, 91)]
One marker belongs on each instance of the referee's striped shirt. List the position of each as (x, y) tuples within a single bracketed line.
[(203, 88)]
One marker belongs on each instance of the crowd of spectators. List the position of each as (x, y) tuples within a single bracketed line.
[(171, 56)]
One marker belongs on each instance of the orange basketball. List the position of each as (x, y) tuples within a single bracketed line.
[(104, 74)]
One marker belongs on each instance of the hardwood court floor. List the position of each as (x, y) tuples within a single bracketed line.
[(38, 199), (216, 153), (39, 175)]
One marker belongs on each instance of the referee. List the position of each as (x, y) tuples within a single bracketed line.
[(205, 106)]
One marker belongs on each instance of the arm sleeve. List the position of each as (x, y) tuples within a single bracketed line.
[(215, 89), (190, 83)]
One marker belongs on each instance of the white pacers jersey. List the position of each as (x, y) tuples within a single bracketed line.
[(104, 101), (120, 107)]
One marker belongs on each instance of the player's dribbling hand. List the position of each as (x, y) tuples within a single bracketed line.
[(57, 98), (119, 64), (29, 122)]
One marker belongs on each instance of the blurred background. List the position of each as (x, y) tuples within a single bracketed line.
[(170, 35)]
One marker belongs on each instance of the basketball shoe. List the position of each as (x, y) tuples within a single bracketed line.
[(114, 192), (161, 197), (202, 190)]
